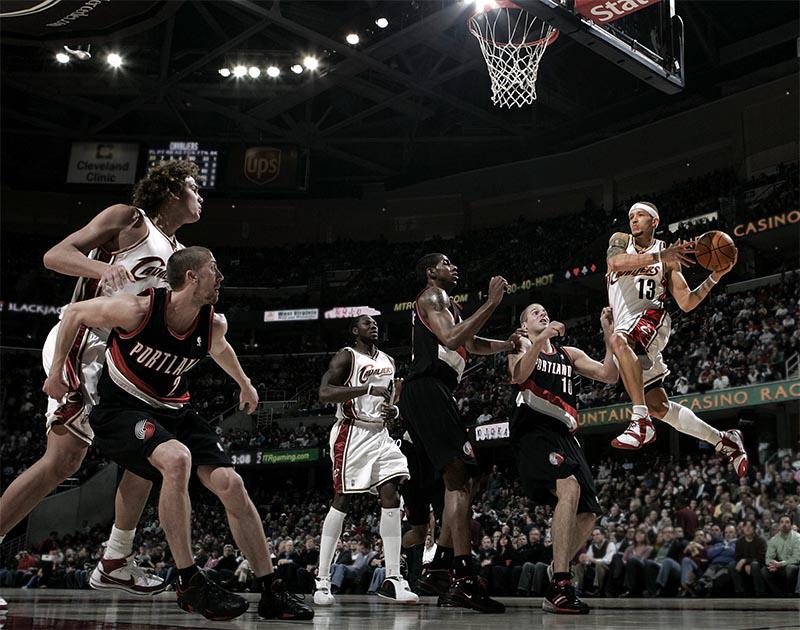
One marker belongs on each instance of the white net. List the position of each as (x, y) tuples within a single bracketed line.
[(512, 42)]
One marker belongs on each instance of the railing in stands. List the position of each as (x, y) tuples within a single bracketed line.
[(792, 365)]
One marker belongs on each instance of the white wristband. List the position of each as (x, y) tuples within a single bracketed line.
[(712, 279)]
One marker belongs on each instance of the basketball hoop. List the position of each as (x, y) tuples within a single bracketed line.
[(512, 42)]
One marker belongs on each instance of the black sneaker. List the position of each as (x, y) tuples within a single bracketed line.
[(562, 599), (470, 592), (209, 599), (433, 581), (281, 604)]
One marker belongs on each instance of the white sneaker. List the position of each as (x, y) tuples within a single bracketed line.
[(3, 606), (732, 446), (124, 575), (639, 433), (322, 592), (397, 590)]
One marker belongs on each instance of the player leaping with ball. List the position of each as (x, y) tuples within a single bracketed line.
[(641, 269)]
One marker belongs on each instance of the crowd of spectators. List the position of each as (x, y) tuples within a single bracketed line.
[(667, 528), (730, 340)]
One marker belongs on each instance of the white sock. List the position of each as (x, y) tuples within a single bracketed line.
[(391, 534), (120, 543), (2, 538), (331, 531), (639, 411), (684, 420)]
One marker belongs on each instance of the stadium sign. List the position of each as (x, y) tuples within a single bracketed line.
[(272, 458), (713, 400), (292, 315), (102, 163), (30, 309), (342, 312), (491, 431), (767, 223)]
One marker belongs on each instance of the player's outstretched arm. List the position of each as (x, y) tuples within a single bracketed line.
[(434, 305), (224, 356), (332, 388), (124, 311), (618, 260), (521, 364), (689, 299), (605, 372), (69, 256)]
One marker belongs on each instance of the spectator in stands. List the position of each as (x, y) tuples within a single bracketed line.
[(720, 555), (634, 558), (598, 556), (665, 567), (751, 549), (355, 571), (782, 560)]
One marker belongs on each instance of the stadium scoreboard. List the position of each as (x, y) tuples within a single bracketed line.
[(206, 158)]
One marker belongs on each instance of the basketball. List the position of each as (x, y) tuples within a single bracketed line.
[(715, 250)]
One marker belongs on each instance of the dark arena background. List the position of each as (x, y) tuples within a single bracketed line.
[(337, 143)]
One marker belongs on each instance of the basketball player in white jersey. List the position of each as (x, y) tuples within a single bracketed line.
[(123, 250), (360, 379), (641, 269)]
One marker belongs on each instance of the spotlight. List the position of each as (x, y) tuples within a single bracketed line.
[(239, 71), (114, 60), (382, 22), (352, 39), (62, 57), (485, 5), (311, 63), (273, 71), (225, 72), (297, 68), (254, 72)]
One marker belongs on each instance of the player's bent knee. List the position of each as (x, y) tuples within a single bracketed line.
[(173, 460), (619, 343), (658, 409), (228, 484), (67, 463), (568, 488)]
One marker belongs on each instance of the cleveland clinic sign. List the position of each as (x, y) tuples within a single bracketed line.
[(102, 163)]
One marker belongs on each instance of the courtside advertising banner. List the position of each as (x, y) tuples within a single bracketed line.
[(102, 163)]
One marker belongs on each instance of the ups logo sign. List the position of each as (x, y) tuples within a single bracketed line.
[(262, 164)]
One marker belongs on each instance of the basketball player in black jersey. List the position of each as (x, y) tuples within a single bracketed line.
[(551, 463), (143, 421), (441, 341)]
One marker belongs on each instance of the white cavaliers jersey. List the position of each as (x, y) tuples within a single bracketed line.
[(634, 293), (377, 369), (146, 260)]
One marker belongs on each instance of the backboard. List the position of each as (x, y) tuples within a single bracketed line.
[(643, 37)]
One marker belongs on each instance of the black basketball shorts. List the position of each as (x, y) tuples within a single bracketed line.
[(435, 425), (546, 452), (421, 492), (128, 436)]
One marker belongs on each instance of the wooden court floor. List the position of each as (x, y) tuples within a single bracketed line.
[(72, 610)]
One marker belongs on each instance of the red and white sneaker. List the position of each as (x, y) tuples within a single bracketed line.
[(124, 575), (732, 446), (639, 433)]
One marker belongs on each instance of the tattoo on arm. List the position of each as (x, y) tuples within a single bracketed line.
[(617, 244)]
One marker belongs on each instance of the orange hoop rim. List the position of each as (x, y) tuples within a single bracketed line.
[(507, 4)]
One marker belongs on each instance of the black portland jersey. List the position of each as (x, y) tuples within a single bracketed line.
[(431, 358), (150, 363), (549, 390)]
